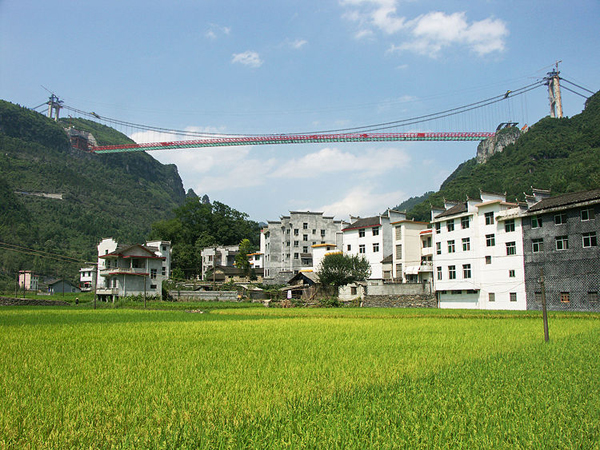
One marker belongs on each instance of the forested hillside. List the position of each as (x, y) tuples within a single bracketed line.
[(562, 155), (118, 195)]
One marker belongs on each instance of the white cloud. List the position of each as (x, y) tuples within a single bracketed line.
[(362, 201), (247, 58), (428, 34), (332, 160), (298, 44), (214, 31), (435, 31)]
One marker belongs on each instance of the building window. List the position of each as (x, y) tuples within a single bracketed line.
[(399, 251), (295, 243), (349, 247), (466, 242), (564, 297), (489, 218), (513, 296), (490, 240), (152, 286), (439, 273), (361, 232), (437, 228), (376, 231), (375, 247), (305, 237), (286, 232), (361, 248), (322, 233), (589, 239), (466, 270), (491, 297), (163, 271), (464, 222), (399, 270), (509, 225), (562, 242), (537, 245), (314, 231), (296, 255), (305, 226), (451, 248), (296, 231), (511, 248), (304, 249), (452, 272), (438, 248), (536, 222), (560, 219), (588, 214), (153, 273), (353, 290), (488, 259), (450, 225), (592, 297), (538, 297), (511, 274)]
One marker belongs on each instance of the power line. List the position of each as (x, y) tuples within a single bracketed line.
[(40, 253)]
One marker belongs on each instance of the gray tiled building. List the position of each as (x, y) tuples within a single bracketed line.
[(287, 243), (560, 237)]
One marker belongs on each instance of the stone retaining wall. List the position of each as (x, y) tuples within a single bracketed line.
[(9, 301), (204, 296), (399, 301)]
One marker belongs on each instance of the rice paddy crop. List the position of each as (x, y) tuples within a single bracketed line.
[(297, 378)]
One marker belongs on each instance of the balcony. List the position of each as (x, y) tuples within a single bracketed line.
[(427, 251), (107, 291), (123, 270)]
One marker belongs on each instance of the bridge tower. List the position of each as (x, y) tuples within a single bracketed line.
[(553, 83), (54, 104)]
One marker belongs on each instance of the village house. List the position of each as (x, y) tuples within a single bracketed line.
[(218, 256), (478, 254), (412, 252), (560, 236), (127, 270), (287, 244), (372, 238)]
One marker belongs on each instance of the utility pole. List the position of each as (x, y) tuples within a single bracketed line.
[(544, 312), (553, 83)]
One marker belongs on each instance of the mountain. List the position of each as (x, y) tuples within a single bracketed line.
[(61, 200), (562, 155)]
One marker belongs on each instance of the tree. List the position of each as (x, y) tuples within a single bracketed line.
[(338, 269), (241, 259)]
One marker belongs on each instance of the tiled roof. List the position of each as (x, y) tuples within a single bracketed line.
[(566, 200), (457, 209), (364, 223), (387, 259)]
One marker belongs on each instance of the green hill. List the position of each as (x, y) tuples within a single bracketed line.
[(562, 155), (91, 196)]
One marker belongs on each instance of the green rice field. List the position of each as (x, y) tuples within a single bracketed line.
[(255, 377)]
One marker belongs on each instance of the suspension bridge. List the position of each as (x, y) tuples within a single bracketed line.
[(379, 132)]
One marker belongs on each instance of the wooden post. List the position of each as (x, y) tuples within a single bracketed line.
[(544, 312)]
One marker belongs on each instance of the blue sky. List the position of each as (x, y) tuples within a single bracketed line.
[(295, 66)]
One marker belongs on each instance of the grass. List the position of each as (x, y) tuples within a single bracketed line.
[(300, 378)]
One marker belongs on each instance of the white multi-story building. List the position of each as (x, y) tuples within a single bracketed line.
[(287, 244), (126, 270), (372, 238), (478, 254), (412, 252)]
